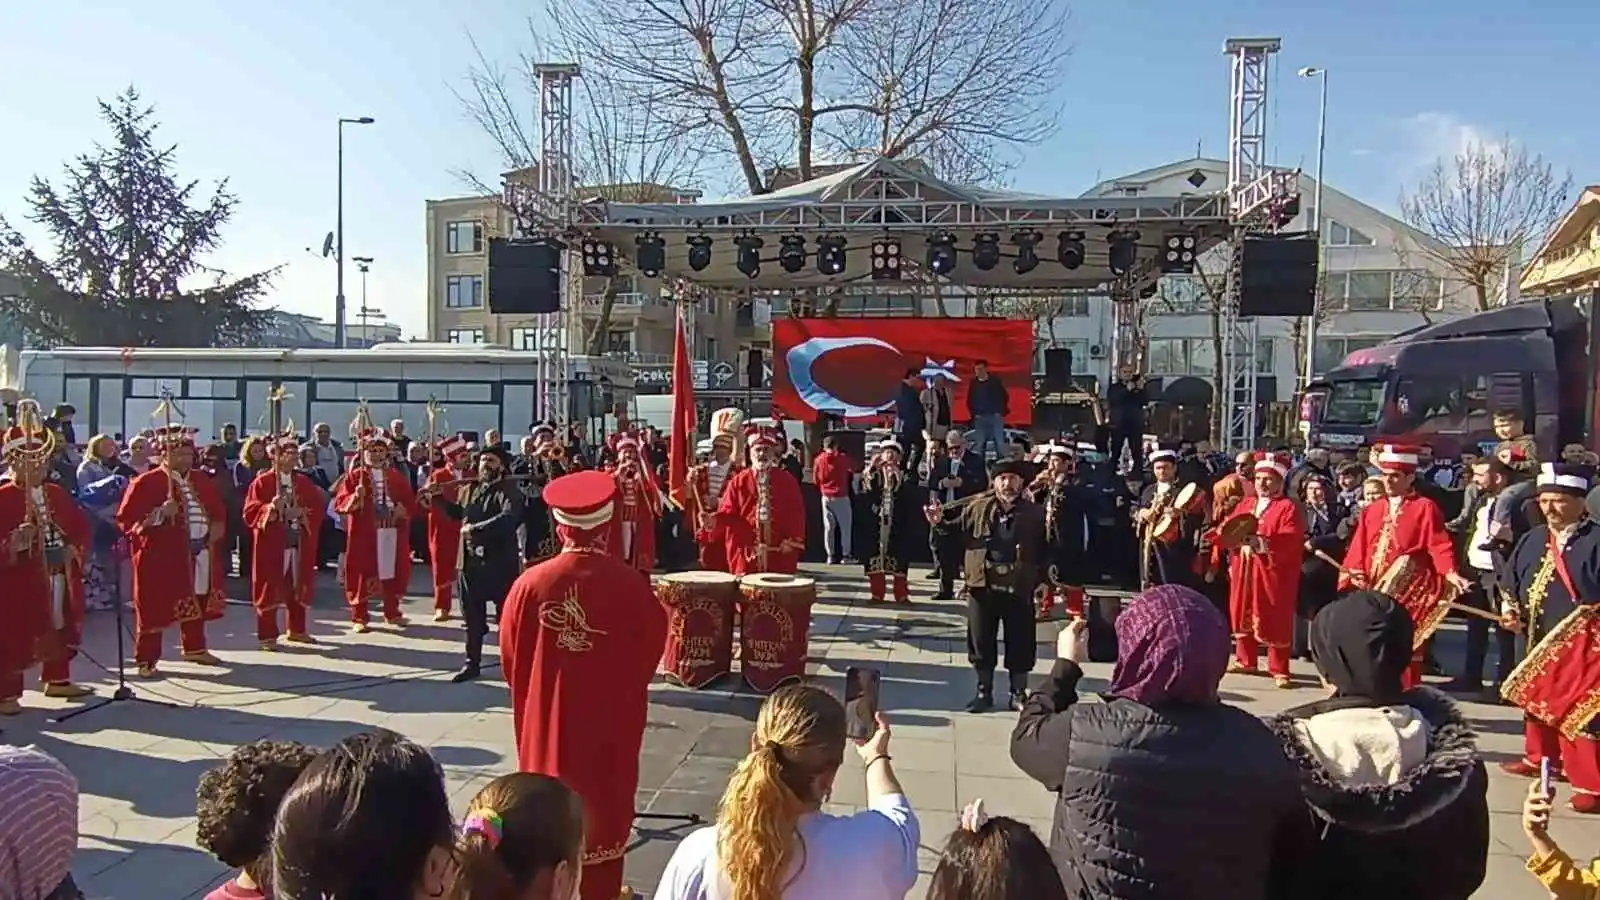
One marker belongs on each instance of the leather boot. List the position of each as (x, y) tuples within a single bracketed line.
[(1019, 689), (984, 700)]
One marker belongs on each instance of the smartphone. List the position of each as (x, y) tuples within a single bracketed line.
[(1545, 774), (861, 702)]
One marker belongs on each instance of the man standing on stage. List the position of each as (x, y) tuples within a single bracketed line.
[(1066, 528), (44, 538), (444, 532), (1405, 525), (1001, 535), (487, 512), (376, 500), (639, 500), (762, 513), (1264, 575), (284, 511), (579, 644), (175, 524), (894, 501), (1162, 561), (706, 483), (1553, 589)]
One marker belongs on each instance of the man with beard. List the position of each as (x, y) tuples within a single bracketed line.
[(284, 511), (1002, 539), (1264, 575), (639, 505), (1163, 562), (1066, 511), (893, 500), (376, 501), (762, 514), (487, 512), (444, 531), (952, 475)]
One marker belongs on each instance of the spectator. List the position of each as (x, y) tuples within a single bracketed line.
[(1319, 581), (1391, 776), (38, 826), (772, 842), (909, 421), (1478, 558), (994, 859), (330, 453), (832, 471), (137, 457), (989, 404), (521, 831), (232, 448), (1162, 790), (102, 478), (1316, 465), (369, 818), (397, 435), (235, 804), (252, 461), (1549, 863), (1125, 402), (937, 408)]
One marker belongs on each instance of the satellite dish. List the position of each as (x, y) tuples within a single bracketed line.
[(327, 245)]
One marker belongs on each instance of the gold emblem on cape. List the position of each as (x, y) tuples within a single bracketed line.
[(570, 621)]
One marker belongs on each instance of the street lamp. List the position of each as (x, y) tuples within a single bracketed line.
[(1316, 218), (364, 265), (338, 299)]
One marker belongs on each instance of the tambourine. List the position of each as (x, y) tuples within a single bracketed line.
[(1189, 500), (1168, 526), (1233, 533)]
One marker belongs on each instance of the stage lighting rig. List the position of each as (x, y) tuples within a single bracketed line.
[(830, 254), (886, 259), (599, 259), (1283, 210), (1178, 253), (1027, 255), (941, 259), (1069, 249), (651, 254), (699, 252), (792, 253), (1124, 251), (986, 250), (748, 260)]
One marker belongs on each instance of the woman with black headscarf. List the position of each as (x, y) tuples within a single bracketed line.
[(1391, 777)]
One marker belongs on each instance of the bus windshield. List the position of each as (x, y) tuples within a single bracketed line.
[(1358, 402)]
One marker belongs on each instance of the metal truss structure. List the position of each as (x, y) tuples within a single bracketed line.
[(552, 203)]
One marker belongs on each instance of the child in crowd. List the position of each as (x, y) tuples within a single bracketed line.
[(994, 859), (522, 840), (1549, 863), (234, 807)]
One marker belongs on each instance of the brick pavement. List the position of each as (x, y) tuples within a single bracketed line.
[(138, 763)]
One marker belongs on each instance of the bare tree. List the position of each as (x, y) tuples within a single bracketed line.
[(1040, 309), (1482, 208), (1203, 293)]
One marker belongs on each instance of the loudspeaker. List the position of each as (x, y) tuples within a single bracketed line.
[(524, 277), (755, 369), (1057, 370), (1278, 275)]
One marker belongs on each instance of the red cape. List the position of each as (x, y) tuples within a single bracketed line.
[(26, 614), (269, 584), (163, 567)]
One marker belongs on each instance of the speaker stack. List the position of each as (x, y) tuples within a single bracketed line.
[(524, 277), (1278, 275)]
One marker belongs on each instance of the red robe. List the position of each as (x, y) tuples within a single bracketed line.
[(783, 533), (711, 540), (1264, 588), (270, 585), (28, 632), (361, 526), (163, 565), (444, 534), (639, 505), (580, 637), (1417, 531)]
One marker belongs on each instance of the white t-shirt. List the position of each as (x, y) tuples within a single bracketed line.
[(871, 855)]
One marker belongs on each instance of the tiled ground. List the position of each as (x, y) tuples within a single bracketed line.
[(138, 763)]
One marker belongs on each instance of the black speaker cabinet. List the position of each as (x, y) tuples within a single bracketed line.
[(524, 277), (1278, 275), (1057, 369)]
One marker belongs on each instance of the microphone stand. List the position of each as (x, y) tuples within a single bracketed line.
[(123, 693)]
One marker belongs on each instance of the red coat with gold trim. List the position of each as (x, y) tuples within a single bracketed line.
[(27, 615), (269, 583), (163, 563)]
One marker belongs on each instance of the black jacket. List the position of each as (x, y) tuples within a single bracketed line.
[(1176, 803), (1426, 838)]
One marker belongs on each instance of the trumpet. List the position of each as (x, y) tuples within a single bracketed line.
[(553, 452)]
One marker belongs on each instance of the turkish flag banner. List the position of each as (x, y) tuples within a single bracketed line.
[(854, 367)]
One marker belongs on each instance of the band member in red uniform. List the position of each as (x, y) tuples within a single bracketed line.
[(1552, 590), (444, 533), (580, 637), (175, 525), (895, 503), (762, 513), (1264, 575), (638, 506), (1405, 524), (44, 538), (706, 483), (376, 501), (284, 511)]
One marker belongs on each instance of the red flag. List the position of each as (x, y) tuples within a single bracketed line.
[(684, 418)]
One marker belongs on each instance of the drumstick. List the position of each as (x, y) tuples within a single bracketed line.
[(1473, 611), (1322, 555)]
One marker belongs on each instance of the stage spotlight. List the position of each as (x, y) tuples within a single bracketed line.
[(792, 253), (1177, 253), (986, 250), (1027, 257), (941, 258), (748, 260), (830, 254), (1124, 251), (651, 254), (1069, 249), (599, 259), (699, 252), (886, 259)]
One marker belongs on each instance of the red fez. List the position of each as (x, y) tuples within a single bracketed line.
[(582, 500)]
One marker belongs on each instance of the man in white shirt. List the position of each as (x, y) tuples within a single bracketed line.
[(1490, 476)]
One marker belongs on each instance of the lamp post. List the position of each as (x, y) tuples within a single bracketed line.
[(339, 336), (364, 265), (1316, 220)]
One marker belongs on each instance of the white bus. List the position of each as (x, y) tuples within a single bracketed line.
[(117, 391)]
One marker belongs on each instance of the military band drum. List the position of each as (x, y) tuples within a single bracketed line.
[(700, 616), (774, 629)]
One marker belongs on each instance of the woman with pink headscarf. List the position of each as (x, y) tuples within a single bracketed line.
[(38, 826), (1162, 789)]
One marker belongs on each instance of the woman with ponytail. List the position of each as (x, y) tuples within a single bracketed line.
[(521, 840), (773, 842)]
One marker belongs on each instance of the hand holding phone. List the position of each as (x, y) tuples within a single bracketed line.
[(1546, 775), (861, 686)]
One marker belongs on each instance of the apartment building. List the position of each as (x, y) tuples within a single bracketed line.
[(1569, 260)]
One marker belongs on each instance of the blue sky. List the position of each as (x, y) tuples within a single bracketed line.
[(251, 92)]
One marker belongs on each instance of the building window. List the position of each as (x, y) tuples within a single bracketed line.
[(1075, 305), (1382, 290), (464, 336), (1345, 236), (1197, 357), (524, 338), (463, 237), (463, 292), (619, 341)]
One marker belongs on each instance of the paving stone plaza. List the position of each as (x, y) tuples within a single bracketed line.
[(138, 763)]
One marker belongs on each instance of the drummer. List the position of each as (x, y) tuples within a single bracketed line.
[(1264, 574), (1168, 529)]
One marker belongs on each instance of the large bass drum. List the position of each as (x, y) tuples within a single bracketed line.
[(1424, 593), (774, 629), (699, 607)]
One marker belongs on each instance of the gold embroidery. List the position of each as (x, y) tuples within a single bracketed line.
[(570, 621), (1380, 553), (604, 854), (1537, 663)]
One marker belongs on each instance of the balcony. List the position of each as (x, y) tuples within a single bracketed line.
[(1565, 270), (631, 308)]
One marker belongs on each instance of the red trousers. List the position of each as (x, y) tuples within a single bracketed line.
[(1578, 760), (191, 639), (391, 592), (267, 621), (444, 595), (57, 670), (877, 583), (1247, 653)]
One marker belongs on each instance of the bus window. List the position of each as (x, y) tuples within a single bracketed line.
[(1432, 404), (1355, 403)]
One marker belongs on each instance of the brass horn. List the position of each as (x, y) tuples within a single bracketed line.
[(30, 421)]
